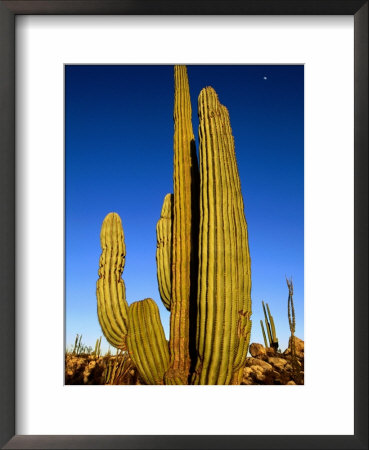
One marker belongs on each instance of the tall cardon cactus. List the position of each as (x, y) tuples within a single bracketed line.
[(202, 256)]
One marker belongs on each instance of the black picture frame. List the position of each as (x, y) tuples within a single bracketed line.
[(8, 12)]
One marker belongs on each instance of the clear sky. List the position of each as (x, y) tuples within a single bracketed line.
[(119, 157)]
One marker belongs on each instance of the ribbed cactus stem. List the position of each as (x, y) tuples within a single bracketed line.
[(291, 308), (292, 324), (110, 289), (146, 341), (263, 331), (242, 249), (272, 326), (97, 347), (182, 231), (75, 345), (79, 348), (164, 251), (269, 331), (224, 302)]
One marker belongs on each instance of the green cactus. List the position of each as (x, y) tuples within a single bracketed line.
[(147, 345), (263, 331), (183, 248), (292, 324), (224, 302), (203, 261), (164, 251), (112, 306), (291, 308), (269, 324), (97, 347)]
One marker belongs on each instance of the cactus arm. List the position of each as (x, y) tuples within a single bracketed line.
[(164, 251), (223, 301), (182, 232), (146, 341), (262, 329), (110, 290)]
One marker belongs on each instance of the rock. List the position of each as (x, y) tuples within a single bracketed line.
[(258, 373), (269, 367), (257, 350), (279, 363), (258, 362), (247, 377), (299, 346)]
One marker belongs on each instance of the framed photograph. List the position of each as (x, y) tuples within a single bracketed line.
[(270, 182)]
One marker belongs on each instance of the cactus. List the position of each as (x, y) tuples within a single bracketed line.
[(147, 345), (78, 347), (183, 248), (292, 324), (224, 302), (203, 261), (291, 308), (164, 251), (269, 324), (263, 331), (112, 306), (97, 347), (75, 348)]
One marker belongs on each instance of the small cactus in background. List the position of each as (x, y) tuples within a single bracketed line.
[(117, 369), (97, 347), (203, 261), (77, 345), (264, 336), (269, 324), (292, 324), (291, 308)]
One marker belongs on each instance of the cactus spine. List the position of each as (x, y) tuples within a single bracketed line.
[(269, 323), (203, 261)]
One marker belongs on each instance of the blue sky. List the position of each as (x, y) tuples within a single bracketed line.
[(119, 157)]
